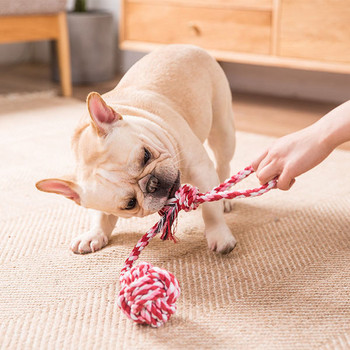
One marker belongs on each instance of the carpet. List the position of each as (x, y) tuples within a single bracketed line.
[(285, 286)]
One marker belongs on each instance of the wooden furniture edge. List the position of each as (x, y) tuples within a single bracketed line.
[(48, 29), (52, 27), (252, 59), (63, 53), (213, 5)]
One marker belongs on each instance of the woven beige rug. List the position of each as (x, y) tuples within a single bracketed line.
[(285, 286)]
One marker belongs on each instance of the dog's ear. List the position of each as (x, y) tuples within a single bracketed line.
[(102, 116), (64, 187)]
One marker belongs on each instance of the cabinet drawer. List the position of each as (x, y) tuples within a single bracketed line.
[(245, 4), (211, 28), (315, 30)]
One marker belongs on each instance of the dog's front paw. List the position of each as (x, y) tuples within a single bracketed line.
[(220, 239), (88, 242)]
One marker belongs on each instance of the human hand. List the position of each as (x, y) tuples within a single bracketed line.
[(291, 156)]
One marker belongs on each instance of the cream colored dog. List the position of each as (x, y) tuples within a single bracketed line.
[(141, 138)]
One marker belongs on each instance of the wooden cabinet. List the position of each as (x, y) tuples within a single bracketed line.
[(213, 28), (313, 34), (317, 30)]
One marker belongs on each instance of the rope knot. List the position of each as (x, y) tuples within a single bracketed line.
[(186, 198), (148, 294)]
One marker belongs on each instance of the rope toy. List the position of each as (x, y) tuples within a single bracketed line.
[(148, 294)]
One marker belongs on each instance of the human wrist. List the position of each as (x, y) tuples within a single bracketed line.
[(336, 125), (326, 135)]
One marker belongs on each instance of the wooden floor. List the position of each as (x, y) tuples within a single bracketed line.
[(254, 113)]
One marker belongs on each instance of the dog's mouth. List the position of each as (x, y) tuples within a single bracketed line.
[(174, 187)]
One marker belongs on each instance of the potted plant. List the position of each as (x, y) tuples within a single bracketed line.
[(92, 44), (80, 6)]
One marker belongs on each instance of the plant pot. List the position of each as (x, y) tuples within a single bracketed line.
[(92, 47)]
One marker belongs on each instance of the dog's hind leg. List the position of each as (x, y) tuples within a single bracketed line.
[(222, 142)]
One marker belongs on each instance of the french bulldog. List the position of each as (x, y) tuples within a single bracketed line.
[(139, 141)]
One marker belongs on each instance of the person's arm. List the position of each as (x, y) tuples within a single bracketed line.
[(296, 153)]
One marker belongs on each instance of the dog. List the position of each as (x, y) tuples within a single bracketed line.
[(139, 141)]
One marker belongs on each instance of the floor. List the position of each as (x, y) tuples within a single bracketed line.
[(286, 285), (267, 115)]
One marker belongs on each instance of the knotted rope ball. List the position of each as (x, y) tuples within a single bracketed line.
[(148, 293)]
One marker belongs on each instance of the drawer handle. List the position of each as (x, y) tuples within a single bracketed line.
[(194, 28)]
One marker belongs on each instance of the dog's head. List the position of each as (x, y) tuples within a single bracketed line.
[(123, 168)]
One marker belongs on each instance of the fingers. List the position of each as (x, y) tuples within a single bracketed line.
[(266, 173), (258, 160), (285, 186), (291, 184), (264, 169), (285, 181), (267, 169)]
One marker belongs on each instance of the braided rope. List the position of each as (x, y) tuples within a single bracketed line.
[(148, 294)]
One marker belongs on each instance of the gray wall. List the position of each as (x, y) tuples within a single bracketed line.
[(262, 80)]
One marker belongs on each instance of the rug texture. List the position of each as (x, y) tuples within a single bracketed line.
[(285, 286)]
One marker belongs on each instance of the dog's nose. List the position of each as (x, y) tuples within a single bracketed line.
[(152, 185), (149, 184)]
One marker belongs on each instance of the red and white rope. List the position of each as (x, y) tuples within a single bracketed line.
[(148, 294)]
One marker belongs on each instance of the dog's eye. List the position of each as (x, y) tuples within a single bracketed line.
[(131, 204), (146, 157)]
